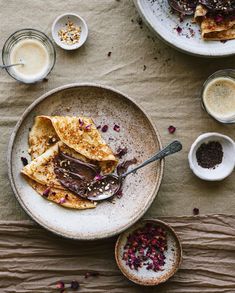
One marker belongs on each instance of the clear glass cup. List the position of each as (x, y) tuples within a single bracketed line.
[(229, 73), (28, 34)]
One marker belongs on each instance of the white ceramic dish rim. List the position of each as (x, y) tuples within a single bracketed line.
[(64, 46), (17, 195), (201, 138), (167, 39)]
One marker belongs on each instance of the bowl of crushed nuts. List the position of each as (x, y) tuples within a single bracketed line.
[(69, 31)]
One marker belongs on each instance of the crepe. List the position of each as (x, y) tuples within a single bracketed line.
[(78, 134), (41, 169), (77, 137), (41, 137), (41, 176), (211, 28), (62, 197)]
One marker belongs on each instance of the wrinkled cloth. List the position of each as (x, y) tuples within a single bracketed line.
[(34, 260)]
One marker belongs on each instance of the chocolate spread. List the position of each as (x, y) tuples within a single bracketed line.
[(74, 174), (219, 6), (81, 177)]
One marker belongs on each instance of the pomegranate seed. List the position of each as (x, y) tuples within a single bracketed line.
[(104, 128), (24, 161), (60, 285), (171, 129), (145, 248), (74, 285), (46, 192), (116, 128), (196, 211), (81, 122)]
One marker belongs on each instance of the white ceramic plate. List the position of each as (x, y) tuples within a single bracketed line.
[(137, 133), (158, 16)]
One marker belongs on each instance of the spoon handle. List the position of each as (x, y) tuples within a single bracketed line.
[(10, 65), (170, 149)]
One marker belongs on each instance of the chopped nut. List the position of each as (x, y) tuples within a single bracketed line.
[(71, 34)]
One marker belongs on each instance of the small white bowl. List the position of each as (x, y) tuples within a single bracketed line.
[(227, 165), (60, 23)]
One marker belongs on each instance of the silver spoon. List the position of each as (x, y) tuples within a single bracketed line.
[(10, 65), (109, 185), (183, 6)]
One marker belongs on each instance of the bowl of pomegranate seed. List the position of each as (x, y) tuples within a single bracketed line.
[(148, 253)]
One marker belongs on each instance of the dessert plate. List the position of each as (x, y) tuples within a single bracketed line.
[(107, 107), (184, 36)]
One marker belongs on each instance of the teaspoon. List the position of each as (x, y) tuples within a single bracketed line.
[(10, 65), (186, 7)]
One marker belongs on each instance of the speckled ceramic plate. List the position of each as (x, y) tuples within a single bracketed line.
[(138, 134), (158, 16), (148, 277)]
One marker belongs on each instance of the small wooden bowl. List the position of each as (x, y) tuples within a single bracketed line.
[(148, 277)]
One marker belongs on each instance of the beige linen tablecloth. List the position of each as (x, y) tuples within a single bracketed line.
[(164, 82), (168, 89), (34, 260)]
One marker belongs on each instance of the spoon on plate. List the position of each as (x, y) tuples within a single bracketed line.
[(109, 185), (186, 7)]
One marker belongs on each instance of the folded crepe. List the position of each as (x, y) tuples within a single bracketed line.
[(41, 169), (77, 137), (62, 197), (217, 19)]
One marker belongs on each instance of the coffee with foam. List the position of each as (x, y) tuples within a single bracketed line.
[(219, 99)]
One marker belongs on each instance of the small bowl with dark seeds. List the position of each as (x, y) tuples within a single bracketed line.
[(212, 156), (148, 253)]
